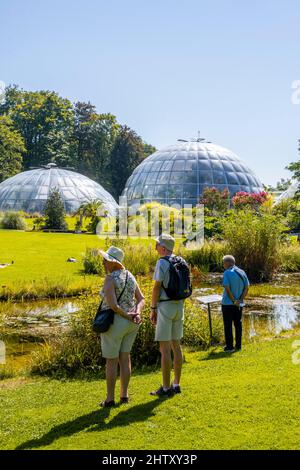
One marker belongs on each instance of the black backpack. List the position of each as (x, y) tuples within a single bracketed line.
[(180, 286)]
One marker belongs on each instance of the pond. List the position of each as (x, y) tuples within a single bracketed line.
[(25, 326)]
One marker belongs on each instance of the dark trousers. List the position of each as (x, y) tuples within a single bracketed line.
[(232, 314)]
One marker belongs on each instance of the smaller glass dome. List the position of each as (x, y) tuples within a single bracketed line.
[(29, 190), (289, 193)]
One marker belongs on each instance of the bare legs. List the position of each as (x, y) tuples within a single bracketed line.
[(166, 361), (178, 361), (112, 373), (125, 373)]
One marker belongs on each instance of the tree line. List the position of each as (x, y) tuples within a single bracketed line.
[(38, 127)]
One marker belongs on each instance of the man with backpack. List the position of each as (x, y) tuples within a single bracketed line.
[(172, 285), (236, 286)]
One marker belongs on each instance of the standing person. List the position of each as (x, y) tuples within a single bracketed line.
[(167, 311), (236, 286), (117, 342)]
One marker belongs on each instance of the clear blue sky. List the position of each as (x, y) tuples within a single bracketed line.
[(168, 68)]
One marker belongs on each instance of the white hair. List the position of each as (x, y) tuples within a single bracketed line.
[(229, 259)]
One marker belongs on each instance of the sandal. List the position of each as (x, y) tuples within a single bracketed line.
[(107, 404)]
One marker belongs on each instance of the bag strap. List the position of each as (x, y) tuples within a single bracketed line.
[(126, 279), (241, 277), (119, 297)]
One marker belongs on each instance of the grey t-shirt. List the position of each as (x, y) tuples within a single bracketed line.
[(162, 274)]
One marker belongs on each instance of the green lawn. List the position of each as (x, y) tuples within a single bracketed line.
[(249, 400)]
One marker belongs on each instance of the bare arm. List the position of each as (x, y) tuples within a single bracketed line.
[(140, 300), (154, 301)]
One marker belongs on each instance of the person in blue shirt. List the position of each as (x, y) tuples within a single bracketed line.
[(236, 286)]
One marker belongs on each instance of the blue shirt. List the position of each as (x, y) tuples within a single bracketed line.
[(237, 285)]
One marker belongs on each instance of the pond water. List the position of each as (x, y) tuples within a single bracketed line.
[(25, 326)]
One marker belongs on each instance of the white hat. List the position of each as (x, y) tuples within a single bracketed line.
[(166, 240), (113, 254)]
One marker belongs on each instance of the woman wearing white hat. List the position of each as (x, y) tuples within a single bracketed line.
[(117, 342)]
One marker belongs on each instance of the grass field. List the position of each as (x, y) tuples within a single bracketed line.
[(249, 400)]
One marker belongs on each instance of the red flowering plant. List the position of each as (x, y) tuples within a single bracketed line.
[(243, 200), (215, 202)]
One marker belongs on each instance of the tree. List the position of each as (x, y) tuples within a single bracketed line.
[(127, 152), (55, 211), (45, 121), (90, 210), (11, 149)]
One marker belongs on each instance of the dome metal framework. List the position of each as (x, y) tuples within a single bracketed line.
[(29, 190), (178, 174)]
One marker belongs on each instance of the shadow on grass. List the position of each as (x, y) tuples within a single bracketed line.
[(215, 354), (95, 421)]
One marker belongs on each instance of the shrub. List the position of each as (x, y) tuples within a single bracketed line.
[(243, 200), (290, 258), (208, 258), (13, 221), (55, 211), (138, 259), (215, 201), (93, 263), (78, 349), (254, 240)]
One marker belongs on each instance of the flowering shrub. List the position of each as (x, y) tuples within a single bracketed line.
[(215, 201), (254, 201)]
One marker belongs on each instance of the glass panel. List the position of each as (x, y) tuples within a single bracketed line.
[(179, 165), (242, 178), (219, 177), (151, 178), (204, 165), (191, 177), (176, 177), (189, 190), (161, 191), (156, 166), (232, 178), (227, 166), (205, 177), (216, 165), (175, 191), (163, 177), (167, 165), (191, 165)]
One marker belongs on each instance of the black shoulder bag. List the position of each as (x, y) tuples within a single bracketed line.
[(105, 318)]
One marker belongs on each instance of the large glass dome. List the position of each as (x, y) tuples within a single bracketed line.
[(29, 190), (178, 174)]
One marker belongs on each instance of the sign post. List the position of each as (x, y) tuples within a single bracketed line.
[(208, 300)]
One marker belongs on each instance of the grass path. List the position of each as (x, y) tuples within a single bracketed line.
[(249, 400)]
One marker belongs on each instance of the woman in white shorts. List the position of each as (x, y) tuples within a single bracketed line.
[(117, 342)]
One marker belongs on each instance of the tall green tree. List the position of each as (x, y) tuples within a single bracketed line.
[(94, 137), (127, 153), (11, 149), (45, 121), (55, 211)]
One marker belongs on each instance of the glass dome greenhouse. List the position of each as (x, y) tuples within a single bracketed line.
[(289, 193), (29, 190), (178, 174)]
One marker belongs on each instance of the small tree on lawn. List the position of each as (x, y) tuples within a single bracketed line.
[(55, 211)]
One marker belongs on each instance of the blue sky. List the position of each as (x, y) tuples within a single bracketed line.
[(168, 68)]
